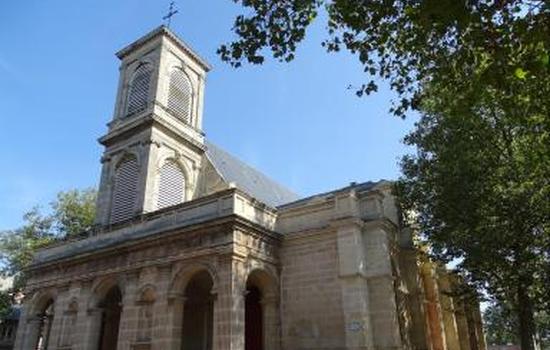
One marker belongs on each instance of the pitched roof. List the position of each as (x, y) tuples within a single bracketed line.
[(248, 179)]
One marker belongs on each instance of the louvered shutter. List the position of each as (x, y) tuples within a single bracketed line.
[(125, 190), (171, 190), (179, 96), (139, 90)]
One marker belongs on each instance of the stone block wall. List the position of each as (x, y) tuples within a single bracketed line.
[(311, 298)]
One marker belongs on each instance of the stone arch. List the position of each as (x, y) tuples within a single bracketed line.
[(165, 157), (138, 88), (262, 322), (105, 305), (180, 83), (41, 300), (184, 274), (124, 183), (40, 317), (191, 295), (102, 286), (264, 278), (118, 158)]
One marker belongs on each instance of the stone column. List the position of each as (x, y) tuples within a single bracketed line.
[(271, 323), (408, 261), (20, 336), (91, 324), (127, 328), (27, 336), (171, 337), (434, 318), (167, 314), (462, 324), (447, 312), (355, 302), (379, 243), (229, 306), (57, 320)]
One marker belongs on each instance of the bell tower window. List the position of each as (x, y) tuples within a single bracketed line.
[(171, 188), (125, 189), (180, 95), (138, 93)]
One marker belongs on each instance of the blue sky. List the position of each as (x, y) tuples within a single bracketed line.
[(296, 122)]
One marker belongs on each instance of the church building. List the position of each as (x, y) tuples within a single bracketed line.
[(195, 250)]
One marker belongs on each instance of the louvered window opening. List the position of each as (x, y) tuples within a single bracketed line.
[(139, 90), (179, 96), (171, 189), (125, 190)]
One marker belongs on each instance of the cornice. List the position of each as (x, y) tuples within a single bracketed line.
[(164, 31)]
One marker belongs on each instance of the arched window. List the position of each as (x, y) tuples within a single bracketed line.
[(138, 93), (125, 189), (180, 95), (171, 188)]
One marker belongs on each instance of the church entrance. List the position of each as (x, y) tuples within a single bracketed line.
[(198, 313), (110, 320), (253, 319)]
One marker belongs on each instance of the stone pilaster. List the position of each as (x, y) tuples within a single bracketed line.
[(229, 306), (167, 314), (271, 331), (355, 300), (448, 313), (91, 323), (128, 324), (59, 307), (379, 240)]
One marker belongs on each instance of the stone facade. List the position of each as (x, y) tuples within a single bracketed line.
[(239, 263)]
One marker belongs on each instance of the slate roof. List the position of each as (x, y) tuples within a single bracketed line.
[(248, 179)]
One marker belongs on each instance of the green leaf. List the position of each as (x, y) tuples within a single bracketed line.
[(544, 59), (520, 73)]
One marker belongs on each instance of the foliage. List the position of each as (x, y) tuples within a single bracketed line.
[(501, 323), (6, 302), (406, 42), (71, 213), (479, 183), (74, 211), (479, 74)]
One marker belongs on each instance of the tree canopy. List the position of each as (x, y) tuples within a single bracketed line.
[(478, 74), (71, 213)]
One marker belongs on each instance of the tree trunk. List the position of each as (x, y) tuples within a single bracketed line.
[(527, 329)]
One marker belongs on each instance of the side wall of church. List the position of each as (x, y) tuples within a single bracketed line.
[(311, 305), (338, 289)]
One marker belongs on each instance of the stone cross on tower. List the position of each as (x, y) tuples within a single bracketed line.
[(171, 12)]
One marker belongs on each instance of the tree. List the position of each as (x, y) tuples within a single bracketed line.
[(478, 74), (501, 324), (72, 213)]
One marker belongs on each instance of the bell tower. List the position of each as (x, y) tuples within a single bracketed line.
[(154, 145)]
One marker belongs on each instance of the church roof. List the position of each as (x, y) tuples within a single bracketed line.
[(248, 179)]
